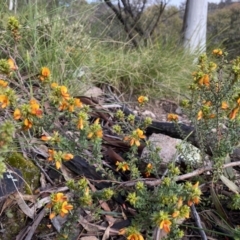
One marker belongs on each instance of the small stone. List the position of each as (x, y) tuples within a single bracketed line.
[(148, 113), (172, 149), (135, 112), (179, 111), (93, 92)]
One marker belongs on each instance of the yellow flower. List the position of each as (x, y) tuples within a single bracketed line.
[(58, 164), (78, 103), (64, 92), (74, 102), (54, 85), (52, 215), (68, 156), (148, 170), (35, 108), (80, 123), (12, 65), (65, 208), (3, 83), (165, 225), (63, 105), (233, 113), (82, 120), (175, 214), (212, 66), (17, 114), (122, 231), (200, 115), (217, 52), (123, 166), (195, 185), (95, 130), (51, 153), (135, 236), (135, 138), (45, 73), (58, 197), (204, 80), (172, 117), (142, 99), (195, 200), (4, 101), (46, 138), (27, 124), (180, 202), (195, 195), (140, 133), (224, 105)]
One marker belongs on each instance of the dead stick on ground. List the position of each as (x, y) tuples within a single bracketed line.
[(35, 224), (179, 178), (198, 222)]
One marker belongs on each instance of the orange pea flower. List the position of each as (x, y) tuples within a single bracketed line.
[(54, 85), (205, 80), (135, 236), (135, 137), (180, 202), (217, 52), (59, 197), (95, 130), (80, 123), (176, 214), (4, 101), (233, 113), (148, 170), (35, 108), (200, 115), (224, 105), (17, 114), (3, 83), (46, 138), (142, 100), (63, 105), (27, 124), (64, 92), (65, 208), (172, 117), (45, 73), (52, 215), (68, 156), (123, 166), (51, 153), (12, 65), (165, 225)]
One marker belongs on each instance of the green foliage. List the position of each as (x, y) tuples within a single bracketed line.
[(40, 41), (223, 29), (30, 172)]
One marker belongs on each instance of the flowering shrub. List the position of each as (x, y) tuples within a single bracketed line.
[(37, 107)]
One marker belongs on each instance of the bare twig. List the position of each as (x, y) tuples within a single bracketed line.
[(35, 224), (198, 222), (179, 178)]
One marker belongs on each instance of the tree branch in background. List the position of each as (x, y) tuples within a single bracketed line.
[(131, 15)]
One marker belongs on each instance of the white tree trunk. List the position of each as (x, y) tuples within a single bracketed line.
[(10, 5), (15, 6), (195, 25)]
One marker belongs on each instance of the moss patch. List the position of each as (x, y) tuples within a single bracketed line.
[(31, 173)]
